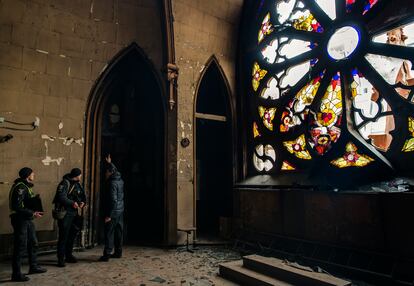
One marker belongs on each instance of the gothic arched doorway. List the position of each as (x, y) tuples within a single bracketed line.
[(213, 154), (126, 118)]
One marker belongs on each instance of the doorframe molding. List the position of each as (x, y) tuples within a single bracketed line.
[(170, 174)]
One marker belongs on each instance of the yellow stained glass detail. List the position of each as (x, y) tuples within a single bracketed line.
[(331, 106), (411, 125), (354, 88), (352, 158), (267, 115), (298, 148), (307, 22), (258, 74), (409, 144), (306, 95), (265, 29), (256, 132), (286, 166)]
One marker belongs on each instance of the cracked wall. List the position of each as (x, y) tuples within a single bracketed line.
[(51, 53), (202, 29)]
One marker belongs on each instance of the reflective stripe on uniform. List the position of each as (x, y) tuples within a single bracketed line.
[(31, 195)]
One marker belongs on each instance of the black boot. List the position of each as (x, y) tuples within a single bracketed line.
[(19, 278), (37, 269), (117, 254), (104, 258), (61, 262), (71, 259)]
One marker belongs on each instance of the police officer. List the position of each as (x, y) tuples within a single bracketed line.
[(71, 196), (114, 210), (24, 232)]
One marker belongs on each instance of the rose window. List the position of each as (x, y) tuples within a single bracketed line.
[(330, 89)]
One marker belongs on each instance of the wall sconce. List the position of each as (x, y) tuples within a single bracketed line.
[(12, 125)]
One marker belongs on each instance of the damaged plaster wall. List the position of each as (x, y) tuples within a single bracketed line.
[(51, 53), (202, 29)]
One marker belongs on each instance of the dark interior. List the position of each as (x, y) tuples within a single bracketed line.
[(133, 133), (213, 155)]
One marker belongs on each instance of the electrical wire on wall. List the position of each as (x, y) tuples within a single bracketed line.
[(24, 126), (16, 126)]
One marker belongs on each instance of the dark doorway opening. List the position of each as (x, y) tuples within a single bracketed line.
[(214, 156), (132, 130)]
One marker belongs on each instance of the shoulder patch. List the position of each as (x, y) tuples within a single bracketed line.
[(20, 191)]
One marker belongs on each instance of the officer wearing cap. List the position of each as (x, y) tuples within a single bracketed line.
[(71, 196), (24, 232)]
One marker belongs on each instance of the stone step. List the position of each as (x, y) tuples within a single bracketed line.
[(299, 275), (235, 272)]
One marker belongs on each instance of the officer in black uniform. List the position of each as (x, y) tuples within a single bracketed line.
[(24, 232), (71, 196)]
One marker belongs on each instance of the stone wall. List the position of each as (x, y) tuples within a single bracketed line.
[(202, 29), (51, 53)]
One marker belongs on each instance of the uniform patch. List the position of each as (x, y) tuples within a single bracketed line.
[(60, 188), (20, 191)]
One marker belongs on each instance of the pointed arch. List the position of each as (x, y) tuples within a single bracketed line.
[(211, 65), (129, 57), (213, 62), (100, 83)]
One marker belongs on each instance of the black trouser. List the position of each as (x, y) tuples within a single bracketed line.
[(114, 235), (24, 237), (67, 234)]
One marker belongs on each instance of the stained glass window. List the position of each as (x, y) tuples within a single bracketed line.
[(330, 89), (409, 143), (264, 158), (267, 115), (352, 158), (297, 147), (286, 166)]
